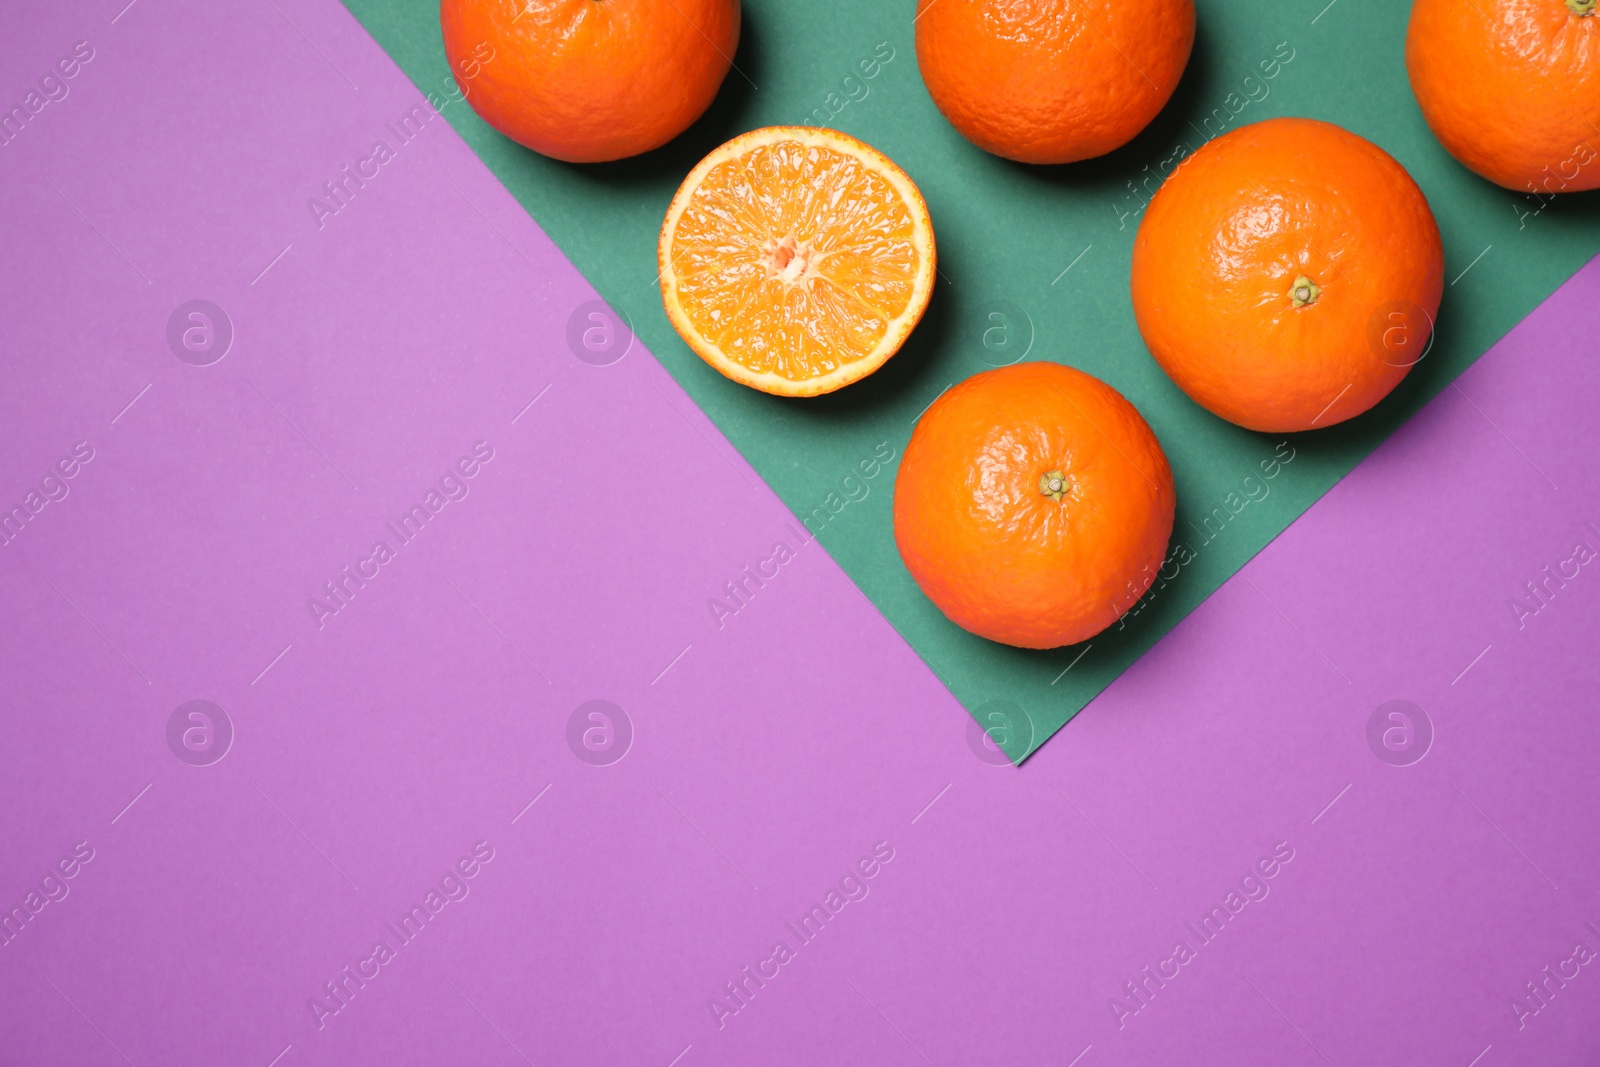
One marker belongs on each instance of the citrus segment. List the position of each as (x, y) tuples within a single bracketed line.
[(796, 260)]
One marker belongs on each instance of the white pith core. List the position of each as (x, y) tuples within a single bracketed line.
[(789, 260)]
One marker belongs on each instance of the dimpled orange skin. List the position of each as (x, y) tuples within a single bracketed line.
[(1229, 235), (1511, 88), (588, 81), (1052, 81), (996, 554)]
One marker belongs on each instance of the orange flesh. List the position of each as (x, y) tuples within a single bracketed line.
[(799, 260)]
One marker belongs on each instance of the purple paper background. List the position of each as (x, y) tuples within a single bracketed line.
[(768, 756)]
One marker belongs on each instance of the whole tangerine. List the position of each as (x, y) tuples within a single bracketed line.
[(1511, 88), (588, 81), (1033, 505), (1287, 275), (1052, 81)]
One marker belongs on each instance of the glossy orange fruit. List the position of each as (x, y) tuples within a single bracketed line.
[(1512, 88), (1033, 505), (1052, 81), (1287, 275), (796, 260), (590, 80)]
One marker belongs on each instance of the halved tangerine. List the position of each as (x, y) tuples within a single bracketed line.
[(796, 260)]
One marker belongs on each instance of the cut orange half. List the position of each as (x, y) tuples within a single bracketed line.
[(796, 260)]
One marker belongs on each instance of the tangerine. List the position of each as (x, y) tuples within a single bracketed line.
[(1052, 81), (588, 81), (1033, 505), (1511, 88), (1287, 275), (796, 260)]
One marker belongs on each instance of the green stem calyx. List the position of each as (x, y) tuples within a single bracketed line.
[(1055, 485), (1582, 7), (1304, 291)]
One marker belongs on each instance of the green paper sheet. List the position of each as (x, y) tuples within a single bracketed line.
[(1033, 265)]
